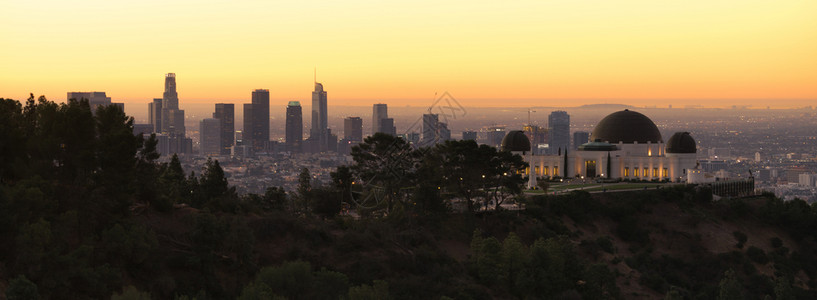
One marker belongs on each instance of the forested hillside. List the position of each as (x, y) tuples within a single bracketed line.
[(88, 212)]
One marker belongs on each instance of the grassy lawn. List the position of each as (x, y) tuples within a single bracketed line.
[(594, 186), (570, 186), (625, 186)]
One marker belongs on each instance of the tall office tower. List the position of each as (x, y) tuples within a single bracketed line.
[(170, 96), (387, 126), (469, 135), (379, 111), (246, 134), (443, 132), (170, 102), (155, 114), (260, 119), (294, 127), (430, 133), (319, 117), (210, 139), (579, 138), (353, 129), (559, 130), (225, 113)]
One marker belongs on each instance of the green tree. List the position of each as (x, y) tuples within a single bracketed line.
[(508, 180), (514, 256), (127, 246), (783, 289), (32, 246), (467, 168), (330, 284), (173, 182), (20, 288), (291, 279), (304, 189), (673, 294), (239, 244), (600, 283), (78, 141), (12, 140), (325, 202), (379, 290), (257, 291), (116, 156), (213, 181), (147, 172), (552, 267), (275, 198), (215, 190), (473, 170), (475, 247), (342, 179), (385, 162), (729, 287), (489, 261), (131, 293)]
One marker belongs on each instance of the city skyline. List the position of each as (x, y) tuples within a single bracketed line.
[(637, 52)]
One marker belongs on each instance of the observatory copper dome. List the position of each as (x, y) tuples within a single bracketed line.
[(516, 141), (681, 142), (628, 127)]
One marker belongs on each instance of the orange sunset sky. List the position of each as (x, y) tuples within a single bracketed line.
[(485, 53)]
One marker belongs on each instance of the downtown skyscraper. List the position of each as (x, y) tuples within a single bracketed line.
[(319, 133), (225, 113), (353, 129), (431, 134), (380, 111), (172, 118), (256, 121), (321, 138), (168, 120), (294, 127), (559, 130), (210, 137), (155, 114)]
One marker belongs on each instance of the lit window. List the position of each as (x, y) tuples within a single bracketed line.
[(626, 172), (555, 171), (654, 172), (664, 173), (635, 172)]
